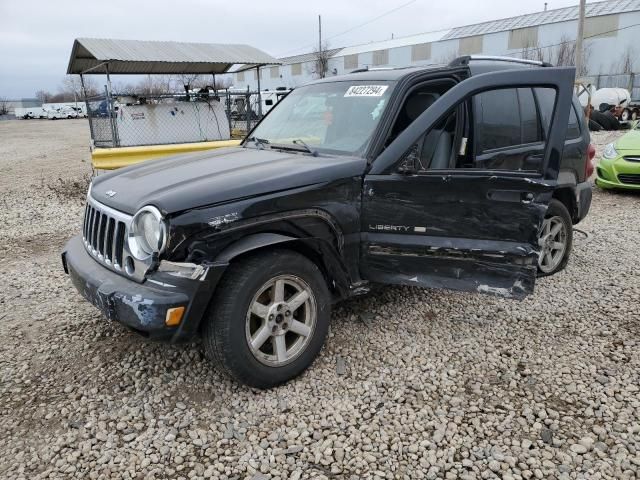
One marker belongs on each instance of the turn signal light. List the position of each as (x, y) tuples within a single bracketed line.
[(174, 316)]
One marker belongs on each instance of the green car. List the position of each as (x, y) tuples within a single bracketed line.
[(619, 166)]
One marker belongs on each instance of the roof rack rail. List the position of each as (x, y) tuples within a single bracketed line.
[(360, 70), (464, 60)]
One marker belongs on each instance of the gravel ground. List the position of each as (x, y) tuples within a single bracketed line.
[(411, 384)]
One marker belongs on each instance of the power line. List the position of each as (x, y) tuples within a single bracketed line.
[(389, 12)]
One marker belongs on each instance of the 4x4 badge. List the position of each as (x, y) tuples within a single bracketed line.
[(110, 193)]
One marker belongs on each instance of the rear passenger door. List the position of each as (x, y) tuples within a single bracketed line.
[(470, 223)]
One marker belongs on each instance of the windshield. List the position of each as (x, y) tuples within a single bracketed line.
[(337, 117)]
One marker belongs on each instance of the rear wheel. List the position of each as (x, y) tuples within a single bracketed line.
[(555, 239), (268, 319)]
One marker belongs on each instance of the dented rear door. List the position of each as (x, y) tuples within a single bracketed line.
[(469, 229)]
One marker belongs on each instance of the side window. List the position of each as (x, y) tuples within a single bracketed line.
[(506, 118), (494, 130), (546, 98), (497, 119), (531, 129)]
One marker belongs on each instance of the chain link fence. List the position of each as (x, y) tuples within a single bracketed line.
[(630, 81), (137, 120)]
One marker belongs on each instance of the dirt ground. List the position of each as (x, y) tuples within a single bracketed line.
[(435, 384)]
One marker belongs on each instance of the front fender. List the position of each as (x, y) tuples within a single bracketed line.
[(318, 250)]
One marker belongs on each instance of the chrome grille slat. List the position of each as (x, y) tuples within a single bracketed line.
[(108, 241), (94, 236), (90, 226), (102, 233), (119, 244)]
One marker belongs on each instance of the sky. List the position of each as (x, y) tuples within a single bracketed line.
[(36, 36)]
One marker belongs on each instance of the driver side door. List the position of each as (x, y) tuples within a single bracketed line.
[(464, 225)]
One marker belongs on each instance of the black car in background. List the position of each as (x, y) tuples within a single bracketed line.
[(466, 177)]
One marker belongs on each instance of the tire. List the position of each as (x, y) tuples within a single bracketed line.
[(557, 216), (230, 326)]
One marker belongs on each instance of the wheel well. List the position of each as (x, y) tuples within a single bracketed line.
[(567, 198), (304, 250)]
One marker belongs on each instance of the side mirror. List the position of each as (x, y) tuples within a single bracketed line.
[(409, 162)]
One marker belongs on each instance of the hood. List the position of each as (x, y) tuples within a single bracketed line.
[(179, 183), (629, 141)]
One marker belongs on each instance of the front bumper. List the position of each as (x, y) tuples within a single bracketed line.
[(617, 173), (141, 306)]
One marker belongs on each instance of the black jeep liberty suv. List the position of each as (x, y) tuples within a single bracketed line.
[(467, 177)]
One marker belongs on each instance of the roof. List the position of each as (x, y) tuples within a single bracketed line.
[(303, 58), (307, 57), (595, 9), (608, 7), (96, 55), (394, 43)]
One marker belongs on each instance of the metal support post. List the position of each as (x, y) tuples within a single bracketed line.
[(86, 105), (259, 93)]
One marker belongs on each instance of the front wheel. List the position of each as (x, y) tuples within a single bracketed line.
[(268, 318), (555, 239)]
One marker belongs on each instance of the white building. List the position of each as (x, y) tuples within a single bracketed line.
[(612, 30)]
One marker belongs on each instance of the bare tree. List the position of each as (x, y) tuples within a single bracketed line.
[(625, 63), (533, 52), (4, 106), (71, 88), (321, 58), (43, 96), (564, 54)]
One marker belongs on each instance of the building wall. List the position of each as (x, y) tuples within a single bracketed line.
[(603, 52)]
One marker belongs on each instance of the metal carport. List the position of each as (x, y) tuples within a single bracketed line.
[(97, 56)]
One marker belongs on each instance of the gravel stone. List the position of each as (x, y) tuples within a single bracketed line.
[(438, 385)]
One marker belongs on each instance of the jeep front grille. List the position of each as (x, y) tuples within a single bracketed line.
[(104, 234)]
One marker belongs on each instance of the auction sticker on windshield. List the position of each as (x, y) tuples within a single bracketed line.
[(366, 91)]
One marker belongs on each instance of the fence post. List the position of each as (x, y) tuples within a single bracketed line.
[(247, 107), (86, 105), (228, 103), (112, 119)]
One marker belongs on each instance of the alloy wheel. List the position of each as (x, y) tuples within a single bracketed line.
[(281, 319), (553, 243)]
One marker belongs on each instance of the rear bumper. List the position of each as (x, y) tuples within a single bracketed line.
[(584, 194), (141, 307)]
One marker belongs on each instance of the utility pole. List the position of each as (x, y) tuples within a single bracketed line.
[(319, 34), (321, 62), (580, 38)]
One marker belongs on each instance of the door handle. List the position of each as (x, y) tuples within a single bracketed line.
[(515, 196)]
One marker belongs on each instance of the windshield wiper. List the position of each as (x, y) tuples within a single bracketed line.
[(259, 142), (307, 147)]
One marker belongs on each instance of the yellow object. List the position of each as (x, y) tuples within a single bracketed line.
[(174, 316), (112, 158)]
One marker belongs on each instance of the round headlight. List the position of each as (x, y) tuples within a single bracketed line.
[(147, 233), (610, 151)]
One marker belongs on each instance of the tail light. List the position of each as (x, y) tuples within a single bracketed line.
[(588, 167)]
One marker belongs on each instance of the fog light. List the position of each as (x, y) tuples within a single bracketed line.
[(174, 316)]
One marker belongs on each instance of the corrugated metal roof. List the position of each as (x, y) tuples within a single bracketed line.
[(151, 57), (540, 18), (307, 57), (394, 43)]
